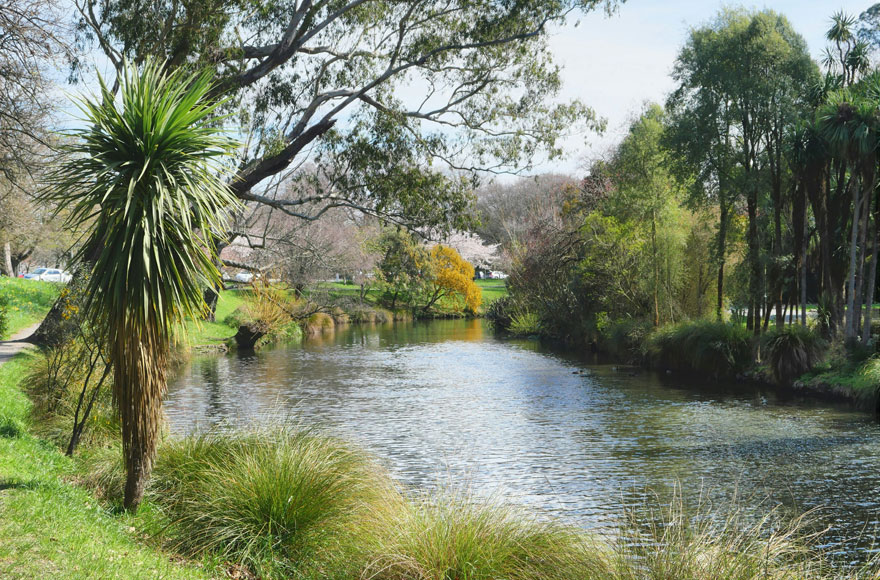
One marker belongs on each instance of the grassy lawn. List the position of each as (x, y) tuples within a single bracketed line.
[(492, 290), (52, 529), (203, 333), (27, 301)]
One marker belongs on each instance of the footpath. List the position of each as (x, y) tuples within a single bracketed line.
[(17, 343)]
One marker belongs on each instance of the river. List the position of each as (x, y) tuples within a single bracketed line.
[(447, 403)]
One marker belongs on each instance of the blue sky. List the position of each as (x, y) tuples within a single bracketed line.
[(616, 64)]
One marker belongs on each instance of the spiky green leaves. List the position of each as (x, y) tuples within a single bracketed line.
[(145, 178)]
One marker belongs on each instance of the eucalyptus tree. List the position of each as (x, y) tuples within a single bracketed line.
[(397, 104), (739, 80), (144, 177)]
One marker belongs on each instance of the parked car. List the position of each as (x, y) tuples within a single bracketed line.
[(245, 277), (49, 275)]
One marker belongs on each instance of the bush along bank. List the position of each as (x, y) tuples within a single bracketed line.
[(791, 357)]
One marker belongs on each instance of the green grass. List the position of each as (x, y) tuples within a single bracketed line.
[(50, 528), (28, 301), (207, 333), (492, 291)]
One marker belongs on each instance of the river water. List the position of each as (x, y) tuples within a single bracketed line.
[(446, 402)]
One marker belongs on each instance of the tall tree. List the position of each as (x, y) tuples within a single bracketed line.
[(646, 193), (739, 79), (145, 175)]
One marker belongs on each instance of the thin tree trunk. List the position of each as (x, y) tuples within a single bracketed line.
[(872, 280), (722, 253), (803, 270), (851, 284), (654, 263), (860, 273)]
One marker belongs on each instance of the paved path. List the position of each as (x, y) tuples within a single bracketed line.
[(17, 343)]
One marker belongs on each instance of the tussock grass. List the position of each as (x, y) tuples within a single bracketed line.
[(793, 351), (276, 501), (457, 536), (319, 322), (671, 541), (719, 349)]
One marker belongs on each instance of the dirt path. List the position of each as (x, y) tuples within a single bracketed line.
[(17, 343)]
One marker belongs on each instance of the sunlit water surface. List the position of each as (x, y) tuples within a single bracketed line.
[(446, 402)]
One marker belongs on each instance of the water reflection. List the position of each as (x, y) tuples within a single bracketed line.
[(445, 401)]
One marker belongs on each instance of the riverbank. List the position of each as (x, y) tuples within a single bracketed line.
[(791, 359), (340, 516)]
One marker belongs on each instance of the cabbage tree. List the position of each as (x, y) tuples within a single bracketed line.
[(144, 178)]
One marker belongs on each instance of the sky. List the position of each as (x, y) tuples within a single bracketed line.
[(617, 64)]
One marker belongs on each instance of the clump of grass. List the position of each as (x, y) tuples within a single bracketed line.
[(674, 542), (718, 349), (319, 322), (525, 323), (277, 501), (455, 536), (793, 351)]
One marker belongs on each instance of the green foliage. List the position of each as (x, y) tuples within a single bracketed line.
[(625, 339), (718, 349), (525, 323), (401, 271), (792, 351)]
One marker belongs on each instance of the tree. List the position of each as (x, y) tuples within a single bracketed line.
[(647, 194), (449, 276), (400, 271), (31, 39), (740, 84), (396, 104), (146, 175)]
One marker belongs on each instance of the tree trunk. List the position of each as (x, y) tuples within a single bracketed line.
[(755, 297), (872, 280), (654, 260), (722, 252), (803, 269), (7, 260), (140, 362), (849, 325), (211, 297)]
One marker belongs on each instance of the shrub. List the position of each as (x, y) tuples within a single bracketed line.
[(717, 349), (625, 339), (499, 313), (792, 351), (525, 323)]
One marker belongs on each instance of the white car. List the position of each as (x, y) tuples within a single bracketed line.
[(49, 275), (245, 277)]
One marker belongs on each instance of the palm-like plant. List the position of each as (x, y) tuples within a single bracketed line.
[(144, 178)]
